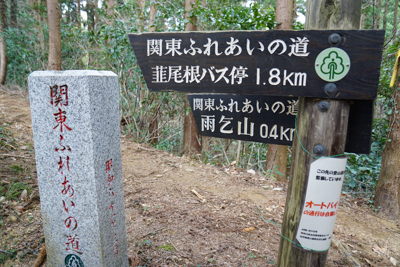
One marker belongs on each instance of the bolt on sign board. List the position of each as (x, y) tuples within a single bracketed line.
[(339, 64), (270, 119)]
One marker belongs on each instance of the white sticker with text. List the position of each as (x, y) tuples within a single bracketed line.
[(322, 202)]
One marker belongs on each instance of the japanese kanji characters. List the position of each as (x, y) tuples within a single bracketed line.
[(234, 47), (221, 117), (113, 213), (59, 100), (247, 106), (154, 47), (59, 95)]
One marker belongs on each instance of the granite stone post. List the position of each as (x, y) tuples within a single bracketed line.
[(75, 120)]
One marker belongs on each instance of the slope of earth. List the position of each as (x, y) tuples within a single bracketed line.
[(179, 212)]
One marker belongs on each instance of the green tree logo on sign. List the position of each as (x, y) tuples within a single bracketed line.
[(73, 261), (332, 64)]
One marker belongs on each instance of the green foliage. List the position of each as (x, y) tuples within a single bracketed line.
[(11, 191), (6, 139), (26, 46), (166, 247), (170, 15), (8, 254), (17, 168), (107, 48), (372, 13), (218, 15), (363, 170)]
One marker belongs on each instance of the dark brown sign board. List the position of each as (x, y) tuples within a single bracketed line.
[(270, 119), (276, 63)]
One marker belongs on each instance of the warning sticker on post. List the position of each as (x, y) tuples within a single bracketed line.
[(322, 202)]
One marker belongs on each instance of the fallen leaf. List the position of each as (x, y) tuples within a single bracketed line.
[(20, 208), (249, 229), (233, 162), (277, 189), (2, 198), (393, 261), (134, 260), (24, 195), (251, 171), (13, 218)]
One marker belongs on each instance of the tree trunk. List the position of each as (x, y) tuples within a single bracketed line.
[(141, 4), (90, 14), (325, 128), (277, 154), (78, 15), (96, 14), (284, 14), (192, 25), (153, 127), (387, 194), (14, 14), (53, 12), (276, 163), (110, 7), (35, 7), (152, 19), (68, 12), (191, 137), (396, 9), (3, 48), (385, 15), (378, 6)]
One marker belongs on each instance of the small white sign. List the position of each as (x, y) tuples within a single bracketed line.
[(322, 201)]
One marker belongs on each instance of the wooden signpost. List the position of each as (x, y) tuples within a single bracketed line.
[(265, 119), (331, 64), (270, 119), (330, 70)]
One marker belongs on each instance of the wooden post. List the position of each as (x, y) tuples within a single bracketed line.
[(315, 127)]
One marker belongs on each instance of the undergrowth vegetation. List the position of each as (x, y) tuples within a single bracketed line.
[(107, 48)]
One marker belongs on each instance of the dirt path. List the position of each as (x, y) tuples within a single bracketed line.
[(168, 224)]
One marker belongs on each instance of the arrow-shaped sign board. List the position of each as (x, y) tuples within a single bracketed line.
[(342, 64), (270, 119)]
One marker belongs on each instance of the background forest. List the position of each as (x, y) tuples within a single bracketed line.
[(94, 36)]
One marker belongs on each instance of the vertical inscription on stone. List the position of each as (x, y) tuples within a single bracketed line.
[(59, 102), (113, 214), (75, 121)]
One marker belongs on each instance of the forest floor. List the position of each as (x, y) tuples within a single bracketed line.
[(169, 225)]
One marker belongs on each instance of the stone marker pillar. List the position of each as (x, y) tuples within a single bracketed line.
[(75, 120)]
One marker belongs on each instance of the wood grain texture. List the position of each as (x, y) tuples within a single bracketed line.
[(315, 127), (363, 47)]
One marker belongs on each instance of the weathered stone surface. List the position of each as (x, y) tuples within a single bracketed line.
[(75, 120)]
